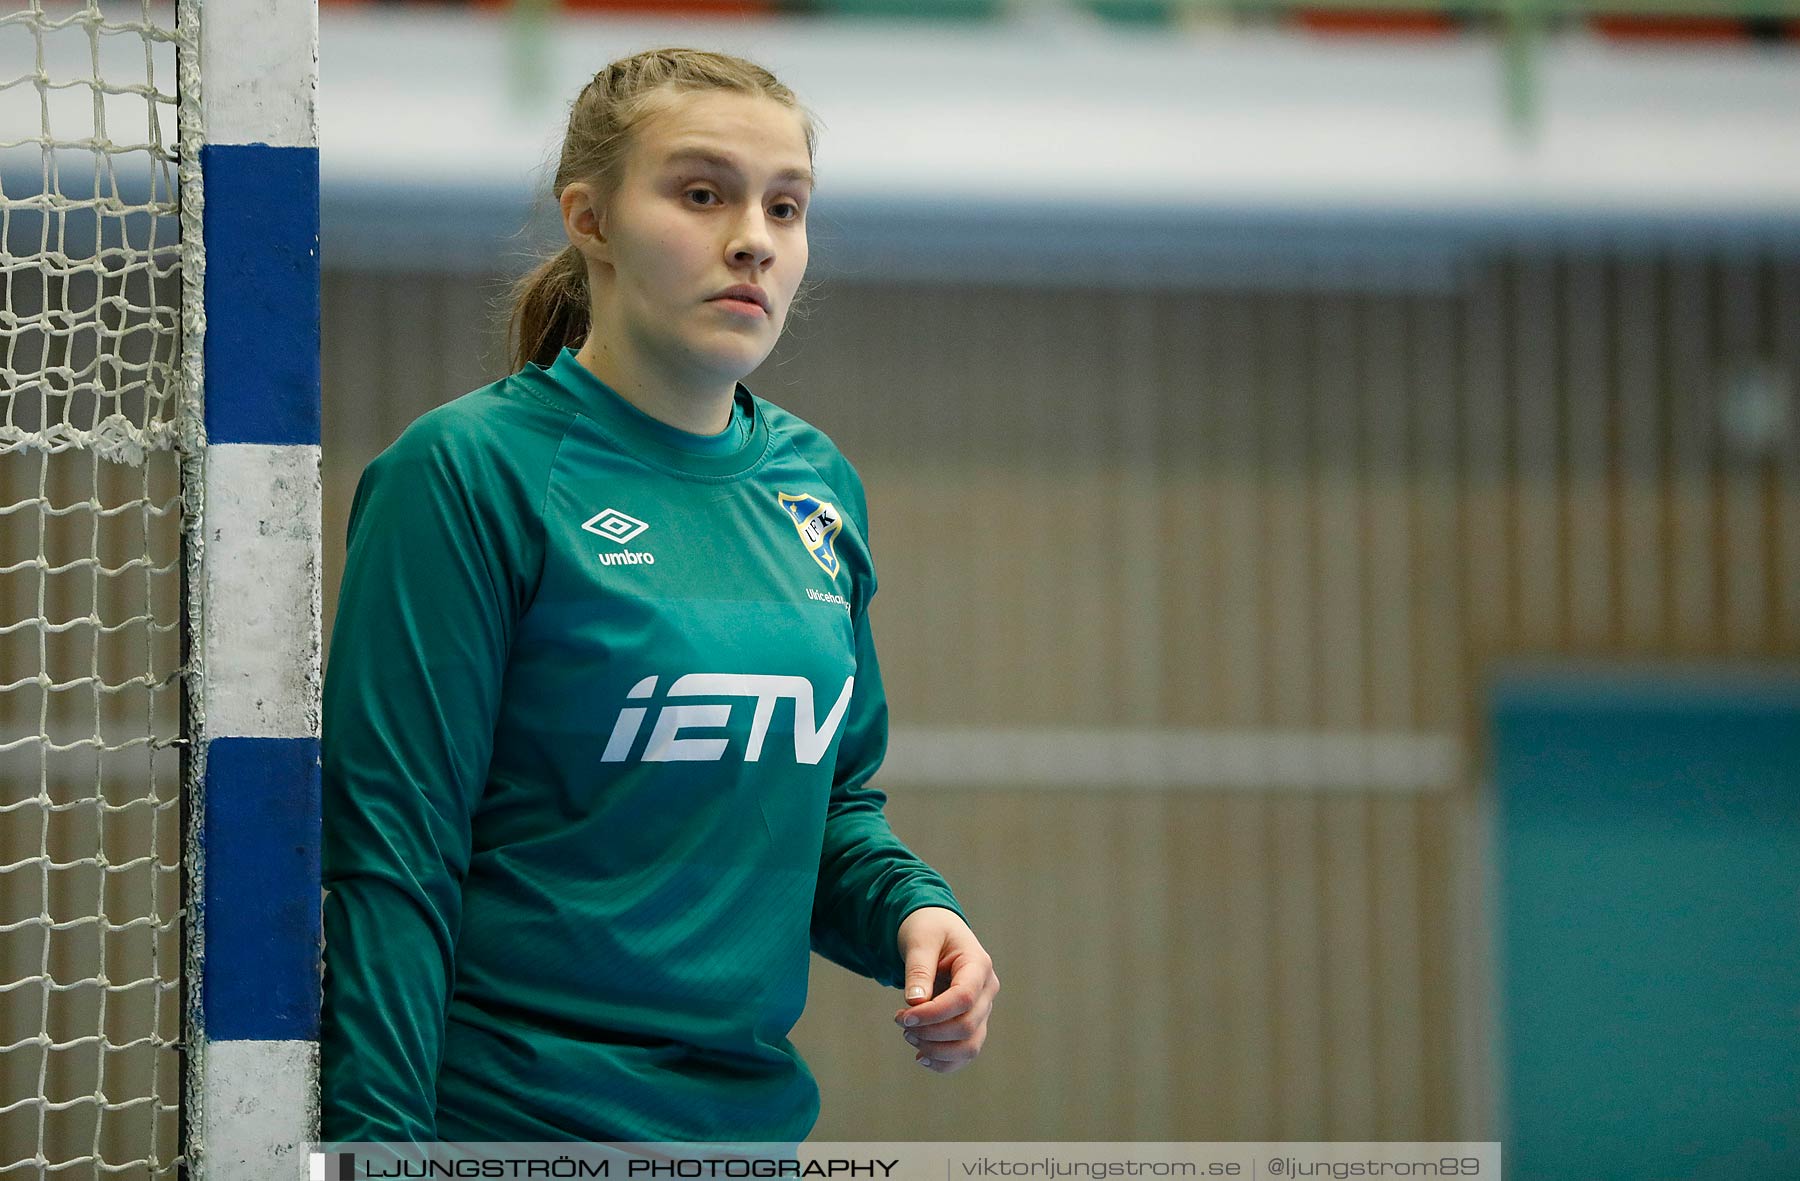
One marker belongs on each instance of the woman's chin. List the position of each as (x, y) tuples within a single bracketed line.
[(735, 364)]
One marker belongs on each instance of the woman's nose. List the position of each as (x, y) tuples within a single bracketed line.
[(754, 243)]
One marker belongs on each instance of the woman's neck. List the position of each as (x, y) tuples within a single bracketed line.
[(697, 409)]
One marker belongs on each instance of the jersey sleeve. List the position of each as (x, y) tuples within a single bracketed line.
[(868, 879), (440, 566)]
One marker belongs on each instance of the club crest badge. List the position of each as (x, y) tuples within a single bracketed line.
[(819, 524)]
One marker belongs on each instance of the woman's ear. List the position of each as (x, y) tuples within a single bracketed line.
[(582, 220)]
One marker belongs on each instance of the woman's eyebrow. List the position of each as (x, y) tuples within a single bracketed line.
[(708, 156)]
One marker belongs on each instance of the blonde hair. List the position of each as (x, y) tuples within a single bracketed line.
[(550, 304)]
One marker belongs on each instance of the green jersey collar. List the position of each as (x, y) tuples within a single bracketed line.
[(735, 449)]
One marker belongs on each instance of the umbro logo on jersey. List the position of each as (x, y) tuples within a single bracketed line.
[(614, 525), (819, 523), (621, 527)]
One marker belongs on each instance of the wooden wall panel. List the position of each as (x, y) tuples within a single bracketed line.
[(1638, 472), (1782, 321)]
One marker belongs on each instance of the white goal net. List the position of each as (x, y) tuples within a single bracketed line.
[(95, 431)]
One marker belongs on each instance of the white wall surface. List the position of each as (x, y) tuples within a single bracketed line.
[(1054, 149)]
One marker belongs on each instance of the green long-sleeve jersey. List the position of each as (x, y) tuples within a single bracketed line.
[(600, 720)]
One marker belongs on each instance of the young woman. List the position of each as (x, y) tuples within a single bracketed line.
[(603, 707)]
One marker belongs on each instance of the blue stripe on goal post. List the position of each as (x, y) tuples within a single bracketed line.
[(257, 930), (262, 294), (261, 980)]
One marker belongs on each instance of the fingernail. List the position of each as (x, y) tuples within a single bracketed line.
[(913, 1038), (923, 1061), (909, 1020), (915, 992)]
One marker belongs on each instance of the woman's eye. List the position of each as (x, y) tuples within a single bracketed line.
[(793, 207)]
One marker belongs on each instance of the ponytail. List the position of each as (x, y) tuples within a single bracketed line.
[(550, 309)]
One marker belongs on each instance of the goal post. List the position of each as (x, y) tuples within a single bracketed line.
[(258, 934), (160, 566)]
